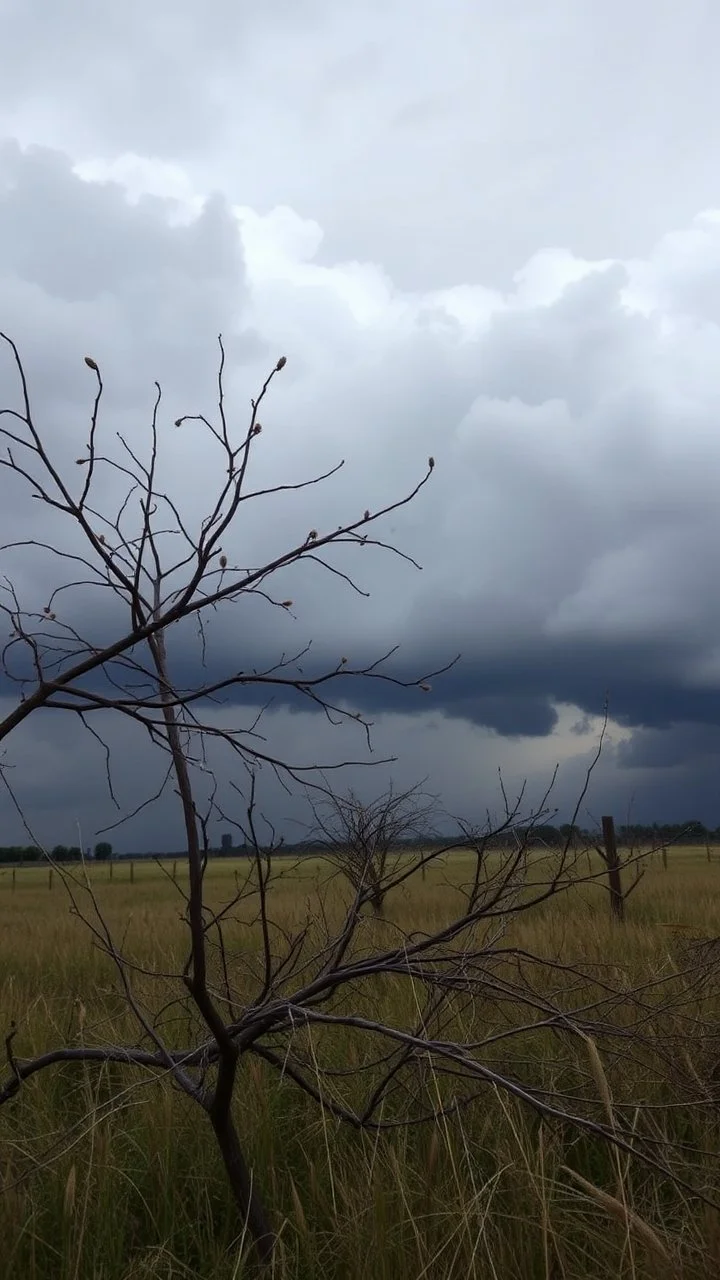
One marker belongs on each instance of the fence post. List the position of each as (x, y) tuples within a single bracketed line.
[(132, 872), (617, 902), (708, 851), (664, 857), (175, 871), (111, 868), (50, 871), (13, 880)]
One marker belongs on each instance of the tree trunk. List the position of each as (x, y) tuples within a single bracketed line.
[(244, 1187)]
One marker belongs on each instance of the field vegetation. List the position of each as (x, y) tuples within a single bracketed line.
[(106, 1174)]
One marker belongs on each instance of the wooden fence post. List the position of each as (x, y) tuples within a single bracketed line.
[(175, 871), (50, 871), (132, 872), (13, 880), (617, 902), (664, 857)]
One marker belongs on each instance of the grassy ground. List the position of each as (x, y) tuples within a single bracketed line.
[(105, 1175)]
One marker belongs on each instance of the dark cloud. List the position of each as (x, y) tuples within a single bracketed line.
[(563, 536), (687, 746)]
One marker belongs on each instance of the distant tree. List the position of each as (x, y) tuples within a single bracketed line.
[(9, 853), (360, 837), (547, 834), (103, 850)]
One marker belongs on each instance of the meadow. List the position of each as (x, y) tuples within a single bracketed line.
[(107, 1174)]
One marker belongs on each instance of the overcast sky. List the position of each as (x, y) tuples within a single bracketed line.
[(490, 233)]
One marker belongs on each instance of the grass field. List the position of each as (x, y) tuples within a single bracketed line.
[(110, 1175)]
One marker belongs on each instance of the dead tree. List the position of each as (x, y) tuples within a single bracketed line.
[(364, 838), (56, 667), (478, 1000)]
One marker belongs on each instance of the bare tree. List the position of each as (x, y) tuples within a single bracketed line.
[(56, 667), (478, 999), (360, 837)]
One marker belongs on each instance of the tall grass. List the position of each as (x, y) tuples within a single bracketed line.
[(108, 1175)]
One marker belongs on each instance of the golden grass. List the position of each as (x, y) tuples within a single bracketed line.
[(107, 1175)]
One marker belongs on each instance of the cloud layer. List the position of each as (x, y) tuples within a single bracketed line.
[(448, 139), (571, 403)]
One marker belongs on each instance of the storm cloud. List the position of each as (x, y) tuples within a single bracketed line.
[(569, 396)]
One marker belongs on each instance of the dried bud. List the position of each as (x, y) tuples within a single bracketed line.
[(47, 610), (80, 462), (287, 604), (91, 364), (223, 562), (281, 363), (178, 422), (101, 538), (366, 516), (51, 616), (431, 463), (257, 429), (343, 661), (312, 535), (425, 687)]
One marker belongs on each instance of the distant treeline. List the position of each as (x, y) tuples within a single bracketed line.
[(628, 835), (60, 852), (20, 853)]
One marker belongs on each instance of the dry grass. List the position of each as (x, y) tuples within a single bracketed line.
[(106, 1175)]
